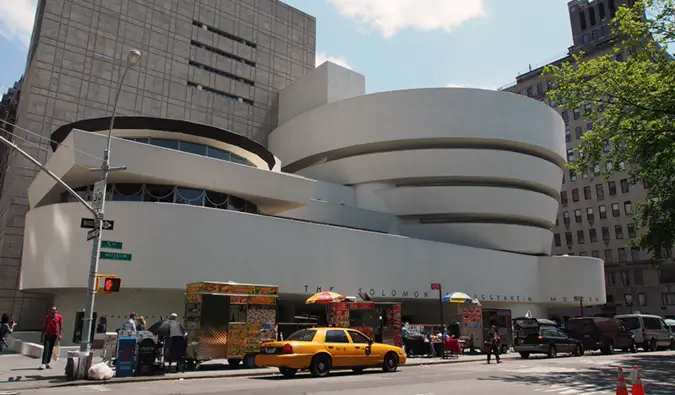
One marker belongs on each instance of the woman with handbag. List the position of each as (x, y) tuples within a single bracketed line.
[(6, 329), (492, 344)]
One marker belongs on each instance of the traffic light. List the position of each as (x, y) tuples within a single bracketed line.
[(112, 284)]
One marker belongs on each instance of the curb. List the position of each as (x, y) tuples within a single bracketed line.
[(215, 375)]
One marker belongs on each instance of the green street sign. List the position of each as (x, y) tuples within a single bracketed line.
[(113, 245), (115, 256)]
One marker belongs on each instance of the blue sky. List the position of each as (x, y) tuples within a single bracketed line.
[(396, 44)]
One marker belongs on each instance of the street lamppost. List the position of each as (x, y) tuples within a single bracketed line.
[(98, 203)]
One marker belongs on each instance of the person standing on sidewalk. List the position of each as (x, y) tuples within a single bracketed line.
[(51, 334), (6, 328), (493, 346)]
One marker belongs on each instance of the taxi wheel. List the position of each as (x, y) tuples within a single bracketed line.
[(320, 366), (288, 372), (390, 362)]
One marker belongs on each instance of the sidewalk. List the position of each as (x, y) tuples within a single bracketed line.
[(18, 372)]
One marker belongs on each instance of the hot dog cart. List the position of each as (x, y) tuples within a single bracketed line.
[(229, 320), (380, 321)]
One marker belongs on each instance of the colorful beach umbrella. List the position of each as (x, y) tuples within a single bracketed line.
[(325, 298), (459, 298)]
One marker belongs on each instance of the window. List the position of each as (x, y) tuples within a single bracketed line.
[(566, 217), (565, 116), (609, 277), (618, 232), (667, 274), (583, 253), (529, 92), (609, 166), (667, 253), (638, 275), (628, 207), (589, 214), (596, 169), (568, 135), (302, 335), (603, 212), (605, 146), (570, 155), (587, 108), (593, 235), (589, 126), (585, 38), (622, 255), (577, 216), (642, 299), (631, 230), (575, 195), (573, 175), (577, 113), (619, 57), (540, 90), (645, 184), (336, 336), (568, 238), (358, 338), (612, 188), (610, 299), (599, 191), (563, 197), (578, 132), (622, 165), (628, 298), (624, 185), (625, 278), (587, 193), (615, 210), (668, 298), (595, 254), (605, 233), (635, 254), (580, 237), (557, 240)]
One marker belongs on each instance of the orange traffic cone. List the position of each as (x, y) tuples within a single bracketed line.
[(621, 388), (638, 389)]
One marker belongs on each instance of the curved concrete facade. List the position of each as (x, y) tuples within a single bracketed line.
[(439, 162)]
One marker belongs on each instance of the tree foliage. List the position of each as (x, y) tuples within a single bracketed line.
[(628, 94)]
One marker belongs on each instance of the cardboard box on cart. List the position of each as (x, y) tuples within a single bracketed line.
[(229, 320)]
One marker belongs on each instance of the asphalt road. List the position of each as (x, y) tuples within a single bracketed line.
[(589, 375)]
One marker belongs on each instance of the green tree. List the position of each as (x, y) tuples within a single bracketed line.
[(628, 94)]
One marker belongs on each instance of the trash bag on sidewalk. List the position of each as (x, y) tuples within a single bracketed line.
[(100, 371)]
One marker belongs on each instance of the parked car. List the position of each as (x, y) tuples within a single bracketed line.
[(542, 336), (671, 325), (651, 332), (601, 333), (321, 350)]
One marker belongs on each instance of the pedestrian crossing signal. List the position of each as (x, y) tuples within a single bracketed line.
[(112, 284)]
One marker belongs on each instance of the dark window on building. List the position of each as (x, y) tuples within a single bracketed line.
[(625, 277), (573, 175), (667, 274), (585, 38), (668, 298), (612, 188), (577, 216), (568, 135), (589, 126), (540, 90), (605, 233), (601, 11), (622, 258), (580, 237), (609, 258), (565, 116), (631, 230), (619, 57), (587, 193), (603, 212), (556, 239), (582, 20), (628, 207), (578, 131), (568, 238), (589, 214), (612, 8), (615, 210), (639, 277), (609, 276), (624, 185), (529, 92), (577, 113), (595, 254), (595, 34), (610, 299), (583, 253), (566, 217), (599, 191), (563, 197), (591, 16), (592, 235), (575, 195), (635, 254)]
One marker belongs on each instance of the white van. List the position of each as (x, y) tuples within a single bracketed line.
[(651, 331)]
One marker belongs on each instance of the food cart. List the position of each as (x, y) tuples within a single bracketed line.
[(380, 321), (229, 320)]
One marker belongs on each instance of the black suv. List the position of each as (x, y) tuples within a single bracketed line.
[(542, 336), (600, 333)]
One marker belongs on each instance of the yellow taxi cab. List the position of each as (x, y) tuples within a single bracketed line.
[(321, 349)]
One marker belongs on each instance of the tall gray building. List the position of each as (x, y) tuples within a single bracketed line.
[(219, 62), (595, 216)]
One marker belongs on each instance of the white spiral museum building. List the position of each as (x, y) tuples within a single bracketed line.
[(382, 193)]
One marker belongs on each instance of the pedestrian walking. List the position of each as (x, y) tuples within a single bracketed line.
[(6, 329), (141, 325), (52, 332), (130, 324), (493, 344), (102, 326)]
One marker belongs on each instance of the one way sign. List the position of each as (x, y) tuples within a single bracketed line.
[(89, 223)]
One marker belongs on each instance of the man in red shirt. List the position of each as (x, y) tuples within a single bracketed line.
[(51, 333)]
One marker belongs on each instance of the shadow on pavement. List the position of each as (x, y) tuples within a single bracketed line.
[(307, 375), (656, 371)]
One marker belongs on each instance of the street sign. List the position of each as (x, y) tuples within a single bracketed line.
[(113, 245), (115, 256), (98, 196), (89, 223), (92, 234), (435, 286)]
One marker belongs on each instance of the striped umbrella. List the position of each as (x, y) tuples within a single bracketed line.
[(325, 298), (459, 298)]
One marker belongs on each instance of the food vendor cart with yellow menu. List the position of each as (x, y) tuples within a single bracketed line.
[(380, 321), (229, 320)]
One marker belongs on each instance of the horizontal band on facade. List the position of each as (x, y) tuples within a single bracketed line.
[(459, 181), (478, 218), (423, 144), (165, 125)]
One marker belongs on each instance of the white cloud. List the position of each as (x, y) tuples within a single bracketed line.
[(461, 85), (16, 19), (391, 16), (323, 57)]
